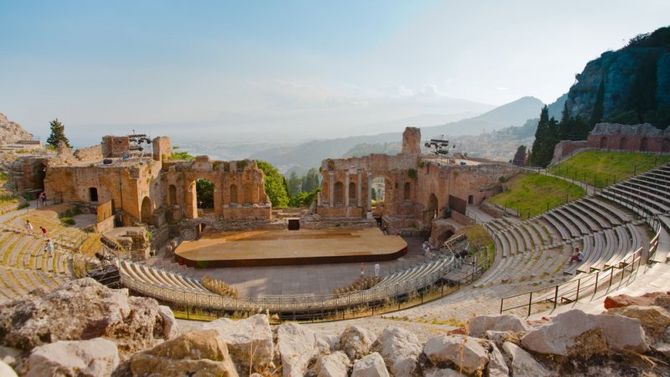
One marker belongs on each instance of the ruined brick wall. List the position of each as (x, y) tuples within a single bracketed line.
[(239, 189), (567, 148), (92, 153), (115, 146), (161, 148), (638, 138), (411, 141), (27, 173)]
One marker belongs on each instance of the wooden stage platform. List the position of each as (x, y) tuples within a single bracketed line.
[(290, 247)]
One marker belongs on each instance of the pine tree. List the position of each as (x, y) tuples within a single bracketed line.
[(57, 134)]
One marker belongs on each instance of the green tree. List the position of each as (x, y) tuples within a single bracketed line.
[(294, 184), (57, 134), (311, 181), (274, 184), (205, 193)]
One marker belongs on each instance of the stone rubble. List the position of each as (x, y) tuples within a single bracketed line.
[(103, 332)]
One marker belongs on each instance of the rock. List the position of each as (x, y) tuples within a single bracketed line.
[(170, 329), (663, 348), (9, 356), (6, 370), (336, 364), (196, 353), (371, 365), (248, 340), (497, 366), (464, 352), (297, 346), (326, 343), (480, 325), (94, 357), (79, 310), (523, 364), (654, 319), (575, 333), (356, 341), (400, 350), (435, 372), (500, 337), (646, 299)]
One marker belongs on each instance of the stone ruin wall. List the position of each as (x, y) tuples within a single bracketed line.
[(92, 153), (115, 146)]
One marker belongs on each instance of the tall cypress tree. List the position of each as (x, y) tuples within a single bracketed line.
[(57, 134)]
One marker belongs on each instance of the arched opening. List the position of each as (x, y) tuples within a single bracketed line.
[(471, 199), (644, 144), (431, 209), (233, 194), (378, 192), (93, 194), (603, 142), (666, 145), (204, 191), (352, 194), (407, 191), (338, 194), (172, 194), (147, 210), (622, 143)]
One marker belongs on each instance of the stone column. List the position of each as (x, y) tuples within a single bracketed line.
[(368, 205), (331, 188), (346, 190), (359, 189)]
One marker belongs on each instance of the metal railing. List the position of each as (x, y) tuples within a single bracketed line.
[(574, 289), (407, 290)]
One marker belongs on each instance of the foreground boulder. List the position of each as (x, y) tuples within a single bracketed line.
[(400, 349), (654, 319), (249, 341), (94, 357), (6, 370), (336, 364), (356, 342), (523, 364), (371, 365), (79, 310), (575, 333), (647, 299), (297, 346), (478, 326), (197, 353), (465, 353)]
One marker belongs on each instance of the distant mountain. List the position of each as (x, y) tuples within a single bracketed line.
[(630, 85), (303, 156), (512, 114), (556, 108), (11, 132)]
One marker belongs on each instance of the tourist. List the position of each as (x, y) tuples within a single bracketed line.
[(362, 269), (377, 270), (50, 247), (29, 226), (44, 232), (577, 256), (43, 198)]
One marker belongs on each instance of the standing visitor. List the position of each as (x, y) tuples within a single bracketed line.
[(29, 226), (376, 270), (362, 269), (43, 198), (44, 232)]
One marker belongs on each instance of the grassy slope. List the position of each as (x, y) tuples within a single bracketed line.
[(602, 168), (532, 194)]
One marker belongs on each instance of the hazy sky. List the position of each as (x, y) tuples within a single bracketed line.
[(293, 66)]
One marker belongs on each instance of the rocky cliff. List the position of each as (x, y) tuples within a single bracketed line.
[(11, 132), (630, 85)]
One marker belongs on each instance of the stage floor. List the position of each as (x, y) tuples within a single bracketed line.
[(284, 247)]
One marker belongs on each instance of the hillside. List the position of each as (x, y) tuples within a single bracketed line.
[(630, 85), (11, 132), (310, 154)]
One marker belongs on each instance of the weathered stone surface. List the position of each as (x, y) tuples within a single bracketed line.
[(249, 340), (478, 326), (94, 357), (297, 346), (196, 353), (465, 352), (497, 366), (646, 299), (654, 319), (371, 365), (500, 337), (336, 364), (400, 349), (326, 343), (9, 355), (577, 333), (6, 370), (523, 364), (356, 341), (436, 372), (170, 328), (81, 309)]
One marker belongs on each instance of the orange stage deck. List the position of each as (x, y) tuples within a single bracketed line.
[(285, 247)]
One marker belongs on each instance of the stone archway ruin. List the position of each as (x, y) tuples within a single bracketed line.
[(146, 211)]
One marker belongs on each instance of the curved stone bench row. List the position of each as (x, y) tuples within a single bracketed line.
[(16, 282)]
